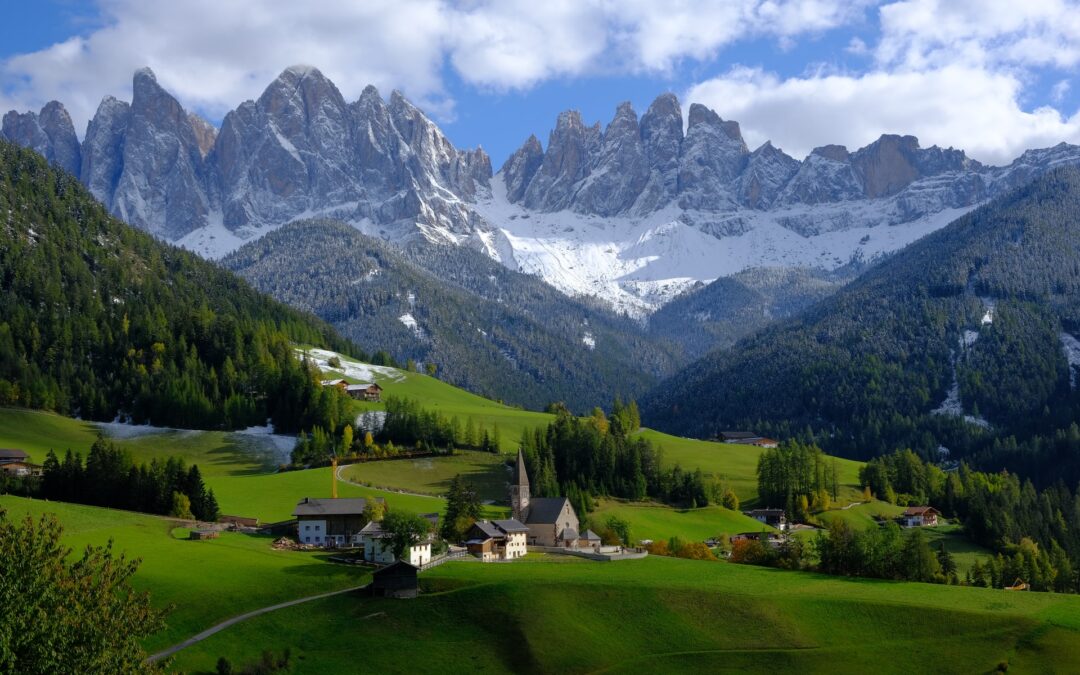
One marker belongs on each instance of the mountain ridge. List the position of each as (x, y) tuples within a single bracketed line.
[(633, 212)]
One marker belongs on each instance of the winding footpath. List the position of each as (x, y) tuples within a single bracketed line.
[(243, 617)]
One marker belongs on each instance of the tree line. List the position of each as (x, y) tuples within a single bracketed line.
[(600, 456), (1036, 533), (109, 477), (797, 477), (98, 319)]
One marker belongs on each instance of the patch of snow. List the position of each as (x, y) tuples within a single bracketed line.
[(410, 322), (969, 338), (988, 317), (364, 372), (588, 340), (1072, 354), (121, 429)]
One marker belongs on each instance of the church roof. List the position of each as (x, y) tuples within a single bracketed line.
[(520, 477), (545, 510)]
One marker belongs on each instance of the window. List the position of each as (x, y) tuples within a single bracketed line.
[(317, 528), (307, 527)]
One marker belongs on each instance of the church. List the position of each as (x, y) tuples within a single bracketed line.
[(552, 521)]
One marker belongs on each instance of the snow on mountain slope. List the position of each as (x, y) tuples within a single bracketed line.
[(638, 263)]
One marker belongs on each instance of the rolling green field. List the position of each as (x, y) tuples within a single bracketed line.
[(656, 522), (862, 515), (736, 464), (662, 615), (206, 581), (216, 452), (447, 399), (432, 475)]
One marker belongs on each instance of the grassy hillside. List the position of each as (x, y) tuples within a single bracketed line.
[(653, 521), (432, 475), (663, 615), (736, 464), (207, 581)]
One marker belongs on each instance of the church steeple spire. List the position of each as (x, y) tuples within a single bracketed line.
[(519, 491)]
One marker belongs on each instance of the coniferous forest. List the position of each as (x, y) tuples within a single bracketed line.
[(98, 319), (954, 347)]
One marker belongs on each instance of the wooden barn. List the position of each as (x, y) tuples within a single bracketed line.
[(399, 580)]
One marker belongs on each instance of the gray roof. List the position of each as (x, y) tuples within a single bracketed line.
[(361, 386), (511, 525), (545, 510), (589, 535), (12, 453), (775, 513), (569, 534), (330, 507), (488, 529), (373, 529), (738, 434)]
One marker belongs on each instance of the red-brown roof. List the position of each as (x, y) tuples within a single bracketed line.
[(921, 511)]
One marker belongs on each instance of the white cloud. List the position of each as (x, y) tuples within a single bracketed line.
[(933, 33), (1059, 91), (962, 106), (215, 54)]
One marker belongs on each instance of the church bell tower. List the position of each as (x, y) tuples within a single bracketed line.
[(519, 491)]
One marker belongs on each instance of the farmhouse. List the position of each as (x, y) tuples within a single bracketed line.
[(21, 469), (368, 391), (330, 522), (378, 549), (498, 540), (744, 437), (363, 391), (13, 456), (552, 521), (398, 580), (919, 516), (764, 442), (771, 517)]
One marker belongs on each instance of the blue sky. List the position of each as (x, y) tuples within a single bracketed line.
[(992, 77)]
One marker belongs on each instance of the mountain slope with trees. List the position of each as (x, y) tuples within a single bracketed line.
[(957, 344), (98, 319), (485, 328)]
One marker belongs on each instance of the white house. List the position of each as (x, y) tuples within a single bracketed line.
[(498, 540), (377, 547)]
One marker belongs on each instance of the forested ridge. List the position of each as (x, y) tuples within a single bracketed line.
[(98, 319), (494, 331), (984, 303)]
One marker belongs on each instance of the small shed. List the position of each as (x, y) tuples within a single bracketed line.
[(199, 535), (399, 580)]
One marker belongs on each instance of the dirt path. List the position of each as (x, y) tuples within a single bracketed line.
[(243, 617)]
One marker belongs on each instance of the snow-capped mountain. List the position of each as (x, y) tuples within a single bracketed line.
[(633, 213)]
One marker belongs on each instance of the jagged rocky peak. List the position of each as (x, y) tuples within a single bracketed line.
[(713, 155), (49, 132), (767, 171), (661, 137), (520, 167), (887, 165), (826, 175), (568, 159), (162, 186), (103, 148), (619, 170)]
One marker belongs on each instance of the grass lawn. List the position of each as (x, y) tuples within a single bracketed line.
[(206, 581), (432, 475), (735, 464), (655, 521), (662, 615)]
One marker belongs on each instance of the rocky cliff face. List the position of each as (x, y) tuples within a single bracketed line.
[(299, 149), (50, 133)]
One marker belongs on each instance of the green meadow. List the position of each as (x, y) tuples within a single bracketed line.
[(654, 521), (736, 465), (662, 615), (206, 582), (487, 472)]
